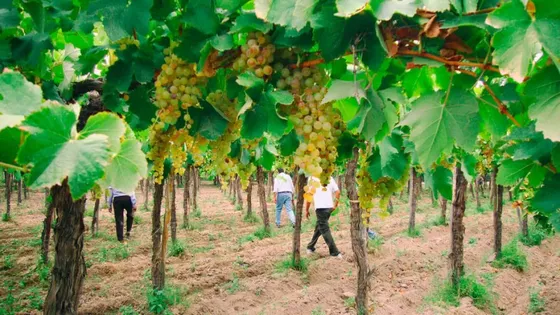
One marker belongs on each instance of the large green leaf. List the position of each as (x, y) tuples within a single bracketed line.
[(288, 143), (330, 33), (10, 141), (122, 18), (348, 8), (468, 166), (28, 50), (388, 159), (141, 105), (370, 117), (107, 124), (263, 116), (340, 89), (200, 14), (18, 98), (438, 120), (248, 21), (512, 171), (521, 37), (544, 88), (556, 156), (440, 181), (127, 167), (385, 9), (55, 154), (9, 17), (207, 121), (547, 199), (492, 120), (292, 13)]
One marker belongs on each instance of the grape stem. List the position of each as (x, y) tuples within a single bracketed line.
[(408, 52), (15, 167)]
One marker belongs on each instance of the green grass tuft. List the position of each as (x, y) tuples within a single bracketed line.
[(112, 254), (6, 217), (536, 235), (414, 232), (289, 263), (8, 262), (374, 245), (251, 218), (350, 302), (160, 300), (127, 310), (469, 286), (512, 256), (536, 301), (88, 213), (177, 249), (233, 286), (137, 220)]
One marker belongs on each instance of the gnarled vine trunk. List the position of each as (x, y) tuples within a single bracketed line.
[(476, 194), (358, 234), (186, 196), (158, 264), (412, 200), (249, 197), (95, 218), (195, 188), (457, 227), (269, 184), (47, 227), (173, 208), (296, 252), (8, 179), (238, 189), (146, 193), (443, 205), (262, 197), (69, 268), (498, 220), (19, 190)]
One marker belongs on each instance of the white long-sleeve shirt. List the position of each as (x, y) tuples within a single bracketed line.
[(117, 193), (283, 182)]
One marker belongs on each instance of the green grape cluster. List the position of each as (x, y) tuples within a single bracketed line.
[(256, 55), (319, 124), (159, 149), (220, 149), (383, 189), (245, 171), (127, 41)]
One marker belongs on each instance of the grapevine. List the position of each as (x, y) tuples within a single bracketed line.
[(257, 54)]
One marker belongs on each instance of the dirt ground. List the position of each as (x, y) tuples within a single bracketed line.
[(224, 272)]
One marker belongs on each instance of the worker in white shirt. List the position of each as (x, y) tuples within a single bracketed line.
[(283, 195), (122, 201), (324, 206)]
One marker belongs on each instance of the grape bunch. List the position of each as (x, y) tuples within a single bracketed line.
[(319, 124), (220, 149), (245, 171), (257, 54), (159, 149), (127, 41), (383, 188)]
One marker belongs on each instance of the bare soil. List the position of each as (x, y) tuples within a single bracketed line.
[(222, 272)]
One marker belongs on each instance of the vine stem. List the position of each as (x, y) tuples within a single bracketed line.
[(502, 108), (407, 52), (15, 167)]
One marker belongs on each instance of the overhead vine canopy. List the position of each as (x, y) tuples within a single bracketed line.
[(428, 82)]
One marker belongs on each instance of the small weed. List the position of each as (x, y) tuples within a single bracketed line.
[(88, 213), (202, 249), (34, 242), (43, 271), (160, 300), (260, 233), (197, 213), (535, 237), (439, 221), (251, 218), (536, 301), (444, 253), (289, 263), (472, 240), (137, 220), (401, 252), (35, 299), (7, 304), (238, 207), (483, 209), (414, 232), (177, 249), (512, 256), (127, 310), (211, 237), (113, 254), (6, 217), (350, 302), (374, 245), (317, 311), (469, 286), (234, 285), (8, 262)]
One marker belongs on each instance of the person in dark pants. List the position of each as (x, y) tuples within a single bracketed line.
[(122, 201), (324, 206)]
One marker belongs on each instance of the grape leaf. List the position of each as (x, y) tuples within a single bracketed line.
[(288, 143), (108, 124), (464, 6), (9, 17), (547, 198), (119, 76), (440, 182), (536, 175), (512, 171), (222, 42), (388, 159), (418, 81), (544, 88), (140, 105), (28, 49), (493, 121), (521, 37), (10, 141), (370, 117), (468, 166), (121, 18), (292, 13), (348, 8), (555, 220), (435, 5), (200, 14), (127, 167), (534, 149), (438, 120), (207, 121), (329, 32), (348, 108), (385, 9), (556, 156), (248, 22), (263, 117), (55, 154), (18, 98), (229, 6), (340, 89)]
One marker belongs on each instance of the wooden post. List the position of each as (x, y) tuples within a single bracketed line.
[(457, 227)]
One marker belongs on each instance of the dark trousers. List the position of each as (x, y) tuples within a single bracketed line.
[(119, 205), (322, 228)]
